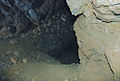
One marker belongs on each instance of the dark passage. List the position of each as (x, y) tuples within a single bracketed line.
[(59, 37)]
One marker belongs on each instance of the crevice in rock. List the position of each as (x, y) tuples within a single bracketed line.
[(109, 64)]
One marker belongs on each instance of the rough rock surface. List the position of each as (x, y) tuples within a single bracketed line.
[(97, 31), (18, 16), (105, 10), (49, 20)]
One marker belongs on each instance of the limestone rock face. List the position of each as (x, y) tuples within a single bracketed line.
[(106, 10), (96, 39), (77, 6), (97, 31)]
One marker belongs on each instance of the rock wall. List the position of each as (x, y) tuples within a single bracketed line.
[(18, 16), (97, 30), (47, 22), (105, 10)]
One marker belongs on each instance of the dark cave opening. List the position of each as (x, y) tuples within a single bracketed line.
[(67, 51), (55, 21), (56, 35)]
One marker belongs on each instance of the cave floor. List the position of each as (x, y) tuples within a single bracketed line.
[(21, 60)]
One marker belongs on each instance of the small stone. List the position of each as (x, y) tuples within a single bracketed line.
[(24, 60), (12, 42), (65, 80), (13, 60), (63, 19), (16, 53)]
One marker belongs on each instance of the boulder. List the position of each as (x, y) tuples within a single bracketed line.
[(97, 30), (105, 10)]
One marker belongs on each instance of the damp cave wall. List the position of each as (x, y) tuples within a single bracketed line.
[(52, 17)]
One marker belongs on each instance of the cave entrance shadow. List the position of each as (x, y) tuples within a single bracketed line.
[(67, 52)]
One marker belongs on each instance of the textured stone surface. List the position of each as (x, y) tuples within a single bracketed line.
[(97, 31), (92, 41), (18, 16), (49, 20), (77, 7), (105, 10)]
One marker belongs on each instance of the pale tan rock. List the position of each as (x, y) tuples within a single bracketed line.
[(91, 70), (105, 10), (95, 38), (113, 55), (98, 30), (77, 6), (106, 2)]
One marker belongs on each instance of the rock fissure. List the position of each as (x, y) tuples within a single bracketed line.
[(109, 64)]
